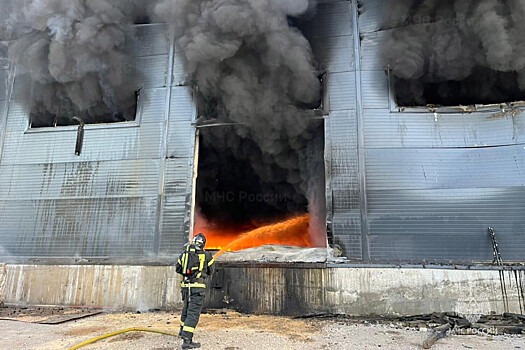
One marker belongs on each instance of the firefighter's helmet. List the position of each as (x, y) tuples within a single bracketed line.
[(200, 240)]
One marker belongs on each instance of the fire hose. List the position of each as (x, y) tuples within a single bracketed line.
[(133, 329), (108, 335)]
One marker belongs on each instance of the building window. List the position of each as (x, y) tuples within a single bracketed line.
[(67, 114), (483, 90)]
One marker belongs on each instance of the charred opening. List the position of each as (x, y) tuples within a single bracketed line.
[(454, 53), (247, 198), (484, 86), (64, 113)]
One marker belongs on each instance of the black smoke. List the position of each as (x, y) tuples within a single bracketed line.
[(456, 51), (251, 65), (74, 53), (255, 73)]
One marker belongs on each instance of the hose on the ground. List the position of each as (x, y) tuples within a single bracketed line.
[(108, 335)]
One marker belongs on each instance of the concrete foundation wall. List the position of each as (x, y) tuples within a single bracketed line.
[(118, 287), (268, 290)]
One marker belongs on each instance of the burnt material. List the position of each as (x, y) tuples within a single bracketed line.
[(244, 289)]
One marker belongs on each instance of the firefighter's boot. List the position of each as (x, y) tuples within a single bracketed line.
[(189, 344)]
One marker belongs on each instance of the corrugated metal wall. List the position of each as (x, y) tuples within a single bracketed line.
[(5, 72), (401, 186), (435, 182), (407, 186), (331, 33), (106, 202)]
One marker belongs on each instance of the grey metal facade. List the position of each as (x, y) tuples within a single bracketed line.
[(410, 186), (124, 197), (413, 185)]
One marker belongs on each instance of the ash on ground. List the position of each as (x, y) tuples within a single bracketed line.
[(281, 254)]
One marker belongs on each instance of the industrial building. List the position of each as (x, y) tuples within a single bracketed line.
[(94, 214)]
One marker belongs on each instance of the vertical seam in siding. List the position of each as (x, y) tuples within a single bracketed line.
[(360, 135), (3, 118), (164, 151)]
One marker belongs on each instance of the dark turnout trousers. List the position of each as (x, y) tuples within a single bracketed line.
[(193, 299)]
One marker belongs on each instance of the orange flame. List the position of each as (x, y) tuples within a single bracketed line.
[(291, 232)]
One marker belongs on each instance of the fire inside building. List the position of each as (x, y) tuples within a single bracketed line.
[(341, 156)]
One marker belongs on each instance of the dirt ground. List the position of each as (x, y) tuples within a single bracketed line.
[(225, 330)]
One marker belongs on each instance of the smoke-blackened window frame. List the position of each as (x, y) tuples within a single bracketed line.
[(102, 125), (506, 108)]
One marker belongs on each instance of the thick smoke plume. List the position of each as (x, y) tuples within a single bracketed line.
[(256, 71), (251, 66), (442, 43), (74, 54)]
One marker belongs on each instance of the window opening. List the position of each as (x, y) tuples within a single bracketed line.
[(67, 114), (468, 95)]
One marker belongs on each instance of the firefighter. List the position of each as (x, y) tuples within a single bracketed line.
[(193, 290)]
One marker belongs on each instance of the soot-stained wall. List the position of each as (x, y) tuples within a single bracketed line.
[(410, 185)]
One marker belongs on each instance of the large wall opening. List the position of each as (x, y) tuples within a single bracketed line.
[(248, 199)]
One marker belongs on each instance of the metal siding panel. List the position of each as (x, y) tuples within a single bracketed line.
[(178, 177), (148, 40), (341, 91), (334, 53), (386, 129), (3, 84), (331, 19), (153, 105), (343, 131), (174, 224), (3, 106), (151, 71), (344, 185), (180, 77), (391, 169), (108, 227), (99, 144), (371, 14), (446, 225), (347, 234), (345, 190), (181, 132), (103, 203), (19, 106), (372, 45), (182, 106), (79, 180), (333, 28), (375, 89), (181, 137)]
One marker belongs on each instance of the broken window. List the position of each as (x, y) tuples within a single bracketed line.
[(482, 87), (65, 113)]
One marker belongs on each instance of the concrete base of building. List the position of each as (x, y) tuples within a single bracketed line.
[(279, 290)]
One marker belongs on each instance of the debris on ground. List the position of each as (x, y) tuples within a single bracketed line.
[(228, 329)]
